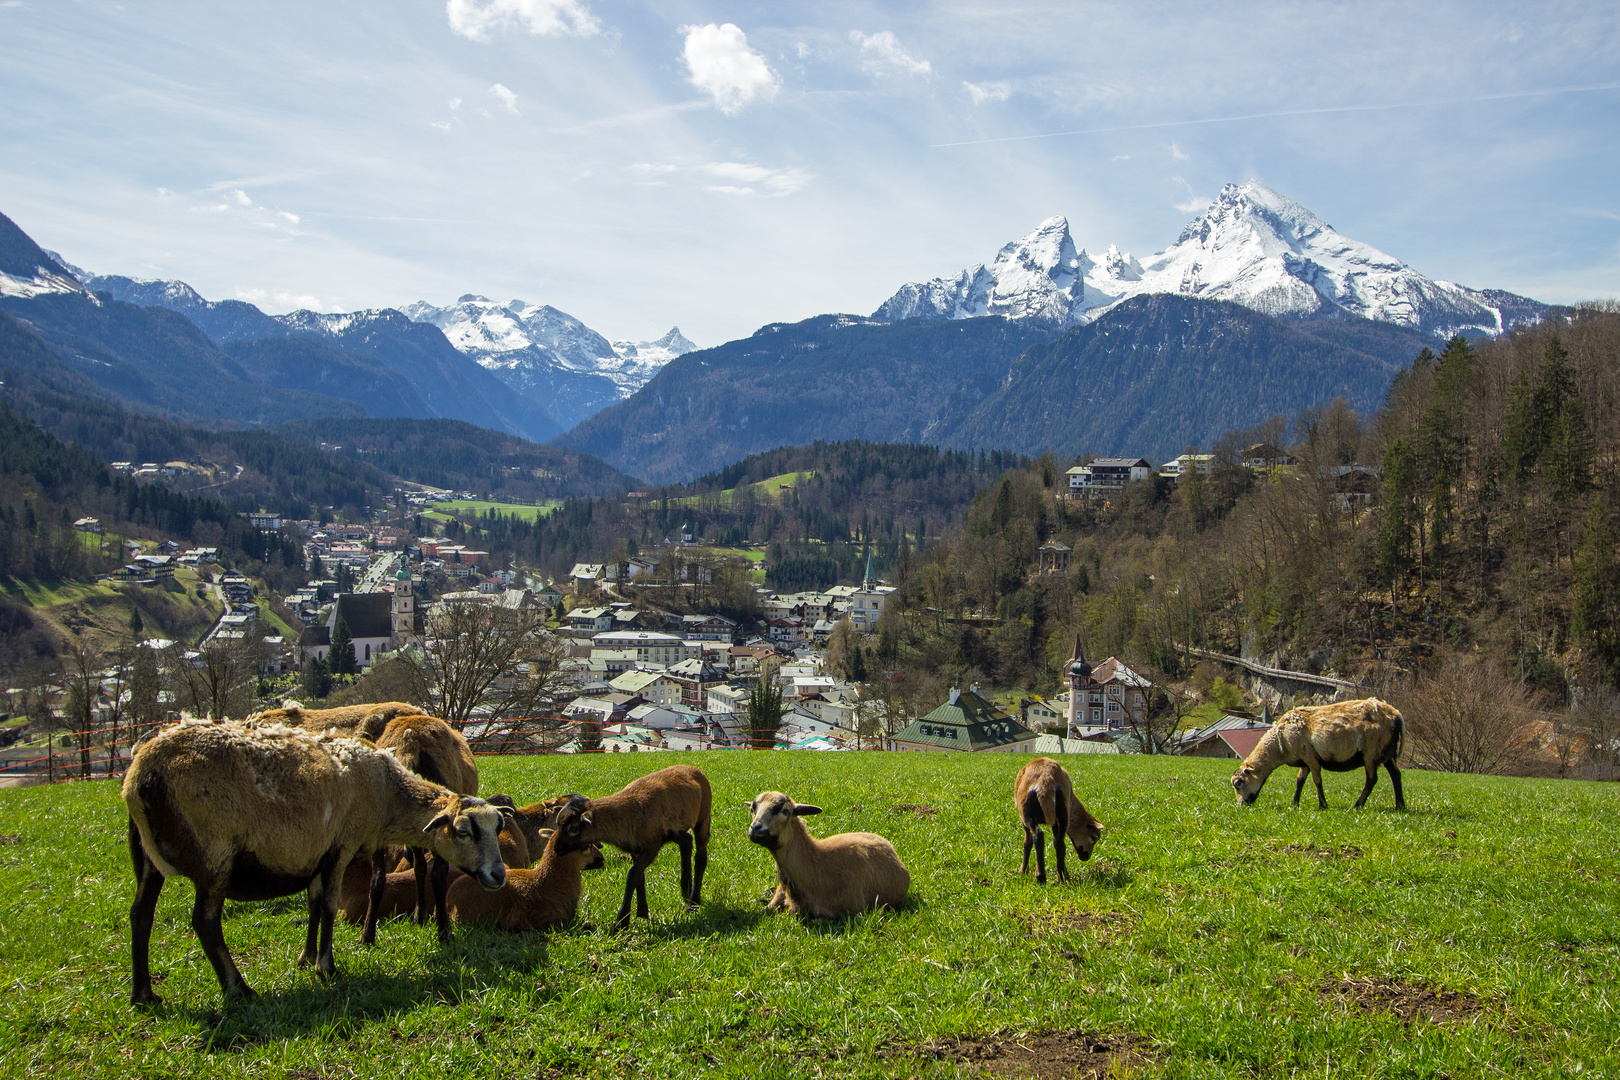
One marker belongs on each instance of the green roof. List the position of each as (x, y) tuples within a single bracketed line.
[(968, 721)]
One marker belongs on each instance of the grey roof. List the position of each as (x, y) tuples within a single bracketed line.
[(369, 615)]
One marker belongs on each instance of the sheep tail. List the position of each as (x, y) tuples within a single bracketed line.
[(1033, 814)]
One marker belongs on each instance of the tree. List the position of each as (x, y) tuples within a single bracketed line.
[(216, 683), (1466, 716), (494, 663), (764, 712), (135, 623), (315, 680), (1597, 591), (1154, 731), (146, 710), (341, 654), (316, 570)]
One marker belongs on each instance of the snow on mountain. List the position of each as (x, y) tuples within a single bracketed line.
[(1253, 247), (549, 354)]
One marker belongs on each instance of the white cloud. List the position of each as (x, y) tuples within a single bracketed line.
[(442, 125), (801, 50), (165, 193), (1175, 152), (283, 299), (505, 97), (241, 197), (1118, 158), (475, 19), (290, 217), (721, 64), (991, 91), (455, 103), (727, 177), (1193, 204), (884, 53)]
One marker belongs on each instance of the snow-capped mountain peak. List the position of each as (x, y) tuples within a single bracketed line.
[(1253, 246)]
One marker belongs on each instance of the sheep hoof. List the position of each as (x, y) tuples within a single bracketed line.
[(144, 997)]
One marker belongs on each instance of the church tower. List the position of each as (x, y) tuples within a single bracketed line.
[(1080, 687), (404, 609)]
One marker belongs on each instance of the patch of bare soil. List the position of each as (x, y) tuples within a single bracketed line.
[(1412, 1002), (1343, 851), (1070, 920), (10, 838), (1041, 1055), (922, 810)]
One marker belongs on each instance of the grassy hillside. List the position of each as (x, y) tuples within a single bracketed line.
[(1477, 935)]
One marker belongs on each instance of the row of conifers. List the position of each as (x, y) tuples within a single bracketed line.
[(347, 805)]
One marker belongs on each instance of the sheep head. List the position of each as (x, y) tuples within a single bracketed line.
[(573, 822), (464, 834), (593, 859), (1084, 832), (773, 812), (1247, 782)]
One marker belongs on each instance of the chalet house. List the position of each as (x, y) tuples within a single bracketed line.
[(1264, 457), (1184, 464), (967, 721), (702, 627), (1105, 477), (585, 576), (654, 686), (592, 619), (88, 525), (1038, 715)]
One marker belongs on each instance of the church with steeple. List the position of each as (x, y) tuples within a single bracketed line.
[(866, 603)]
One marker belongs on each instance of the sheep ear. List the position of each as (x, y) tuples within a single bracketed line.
[(586, 818), (545, 834), (805, 810), (507, 813), (444, 820)]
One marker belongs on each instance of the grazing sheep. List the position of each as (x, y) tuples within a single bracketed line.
[(824, 879), (1340, 737), (535, 899), (257, 812), (672, 805), (1044, 796), (350, 721), (435, 751)]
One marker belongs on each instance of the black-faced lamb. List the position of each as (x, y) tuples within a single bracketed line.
[(830, 878), (257, 812), (1044, 796), (536, 899), (672, 805), (1346, 735)]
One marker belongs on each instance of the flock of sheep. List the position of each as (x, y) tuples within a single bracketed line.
[(345, 805)]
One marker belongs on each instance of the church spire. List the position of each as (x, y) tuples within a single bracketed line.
[(867, 584)]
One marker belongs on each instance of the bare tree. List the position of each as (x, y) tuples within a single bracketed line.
[(1168, 706), (84, 685), (218, 681), (1466, 716), (495, 663), (1595, 723)]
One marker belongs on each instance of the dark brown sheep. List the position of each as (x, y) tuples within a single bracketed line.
[(672, 805), (1044, 796), (1339, 737), (257, 812)]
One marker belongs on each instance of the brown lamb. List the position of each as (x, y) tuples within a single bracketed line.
[(824, 879), (399, 889), (535, 899), (1044, 796), (256, 812), (1339, 737), (351, 721), (672, 805)]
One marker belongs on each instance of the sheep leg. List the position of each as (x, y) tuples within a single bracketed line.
[(312, 897), (1060, 832), (441, 886), (1029, 842), (419, 866), (330, 879), (205, 920), (1321, 796), (700, 862), (1372, 781), (379, 882), (1299, 788), (684, 842), (1395, 779), (635, 886), (1040, 857), (148, 884)]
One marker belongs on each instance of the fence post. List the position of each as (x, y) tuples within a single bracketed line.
[(50, 759)]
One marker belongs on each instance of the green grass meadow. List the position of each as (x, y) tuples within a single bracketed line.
[(1475, 936)]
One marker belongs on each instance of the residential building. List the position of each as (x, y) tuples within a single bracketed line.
[(1104, 477), (651, 647), (967, 721)]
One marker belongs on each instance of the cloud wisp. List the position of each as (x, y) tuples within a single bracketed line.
[(506, 97), (720, 62), (727, 177), (476, 20), (882, 54), (990, 91)]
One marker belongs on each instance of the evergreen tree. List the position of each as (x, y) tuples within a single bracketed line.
[(135, 623), (857, 665), (316, 570), (1597, 590), (764, 712), (317, 678), (342, 651)]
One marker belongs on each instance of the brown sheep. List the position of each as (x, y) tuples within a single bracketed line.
[(257, 812), (400, 889), (1044, 796), (1339, 737), (535, 899), (435, 751), (536, 818), (672, 805), (350, 721), (824, 879)]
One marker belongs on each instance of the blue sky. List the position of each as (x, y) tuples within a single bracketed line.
[(725, 165)]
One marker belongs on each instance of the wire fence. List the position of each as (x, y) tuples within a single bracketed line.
[(104, 753)]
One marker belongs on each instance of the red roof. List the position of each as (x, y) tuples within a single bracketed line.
[(1242, 740)]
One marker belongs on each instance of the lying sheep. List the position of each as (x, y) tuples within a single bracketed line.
[(672, 805), (538, 817), (435, 751), (535, 899), (1044, 796), (399, 895), (1343, 736), (257, 812), (824, 879), (352, 721)]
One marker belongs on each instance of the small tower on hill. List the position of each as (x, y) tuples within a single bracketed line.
[(1081, 685), (404, 608)]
